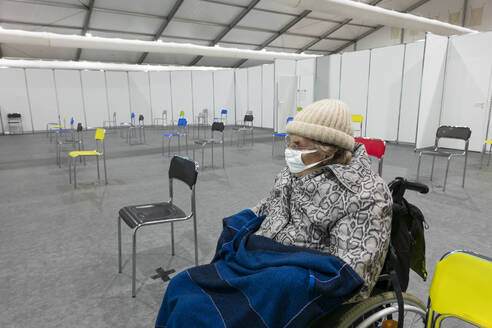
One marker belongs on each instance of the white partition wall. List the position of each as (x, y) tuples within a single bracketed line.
[(268, 94), (327, 77), (283, 68), (431, 89), (414, 54), (286, 86), (224, 94), (354, 82), (384, 92), (241, 93), (13, 96), (255, 94), (182, 94), (305, 70), (69, 93), (160, 94), (96, 105), (334, 75), (140, 96), (118, 95), (44, 105), (467, 87), (203, 91)]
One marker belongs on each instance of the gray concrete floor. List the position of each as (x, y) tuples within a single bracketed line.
[(58, 246)]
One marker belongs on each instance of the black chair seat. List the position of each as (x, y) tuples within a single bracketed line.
[(140, 214), (203, 142)]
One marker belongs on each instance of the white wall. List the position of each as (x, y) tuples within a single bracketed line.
[(118, 95), (140, 96), (69, 93), (241, 93), (224, 94), (268, 95), (182, 94), (13, 96), (160, 91), (44, 105), (305, 71), (203, 93), (255, 94), (96, 105)]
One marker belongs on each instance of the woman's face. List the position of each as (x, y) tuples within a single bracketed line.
[(302, 144)]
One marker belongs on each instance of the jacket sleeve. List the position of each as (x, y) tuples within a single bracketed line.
[(262, 207), (361, 238)]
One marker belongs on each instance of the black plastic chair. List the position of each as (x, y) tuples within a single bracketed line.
[(137, 216), (216, 127), (449, 132)]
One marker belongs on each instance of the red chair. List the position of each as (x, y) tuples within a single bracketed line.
[(374, 147)]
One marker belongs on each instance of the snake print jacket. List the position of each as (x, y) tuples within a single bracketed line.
[(343, 210)]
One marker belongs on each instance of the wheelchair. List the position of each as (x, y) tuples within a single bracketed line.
[(388, 306)]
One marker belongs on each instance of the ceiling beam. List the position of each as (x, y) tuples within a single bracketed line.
[(229, 27), (163, 26), (377, 28), (274, 37), (87, 20), (332, 30)]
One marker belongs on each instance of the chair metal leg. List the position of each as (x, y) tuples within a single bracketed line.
[(203, 151), (273, 144), (484, 149), (380, 167), (432, 169), (186, 142), (105, 170), (119, 245), (74, 174), (212, 147), (172, 238), (223, 154), (134, 262), (446, 176), (490, 155), (464, 169), (98, 173), (196, 239), (418, 166), (162, 146), (169, 146), (70, 170), (179, 144)]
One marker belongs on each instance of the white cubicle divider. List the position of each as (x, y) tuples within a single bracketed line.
[(224, 94), (327, 81), (268, 95), (14, 97), (354, 82), (160, 94), (203, 93), (182, 94), (95, 101), (467, 87), (306, 71), (44, 105), (241, 93), (69, 93), (431, 94), (118, 96), (384, 92), (286, 100), (255, 94), (414, 54), (140, 96)]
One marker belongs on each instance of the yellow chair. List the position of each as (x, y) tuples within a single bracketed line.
[(461, 288), (99, 152), (358, 119), (484, 150)]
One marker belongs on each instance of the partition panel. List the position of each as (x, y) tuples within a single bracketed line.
[(241, 93), (13, 96), (69, 92), (96, 105), (467, 88), (118, 95), (305, 70), (287, 86), (354, 82), (255, 94), (321, 84), (268, 94), (160, 91), (44, 106), (414, 55), (224, 94), (182, 94), (431, 89), (283, 68), (334, 76), (140, 96), (384, 92), (203, 93)]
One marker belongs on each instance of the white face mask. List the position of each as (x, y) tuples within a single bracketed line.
[(294, 160)]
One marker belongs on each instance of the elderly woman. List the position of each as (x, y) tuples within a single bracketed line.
[(328, 198)]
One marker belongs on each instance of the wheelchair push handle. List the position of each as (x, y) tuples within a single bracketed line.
[(415, 186)]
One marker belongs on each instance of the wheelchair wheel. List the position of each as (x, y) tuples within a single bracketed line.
[(373, 311)]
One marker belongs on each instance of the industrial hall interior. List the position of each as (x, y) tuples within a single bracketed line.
[(246, 163)]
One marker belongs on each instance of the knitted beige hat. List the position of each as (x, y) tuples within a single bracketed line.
[(327, 121)]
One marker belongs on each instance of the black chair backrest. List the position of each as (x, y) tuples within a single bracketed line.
[(79, 127), (140, 118), (14, 115), (248, 118), (218, 126), (454, 132), (184, 170)]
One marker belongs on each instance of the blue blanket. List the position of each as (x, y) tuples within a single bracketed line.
[(254, 281)]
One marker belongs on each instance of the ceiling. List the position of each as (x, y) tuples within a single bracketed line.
[(246, 24)]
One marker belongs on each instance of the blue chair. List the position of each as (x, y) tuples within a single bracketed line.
[(181, 131), (279, 134), (223, 116)]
